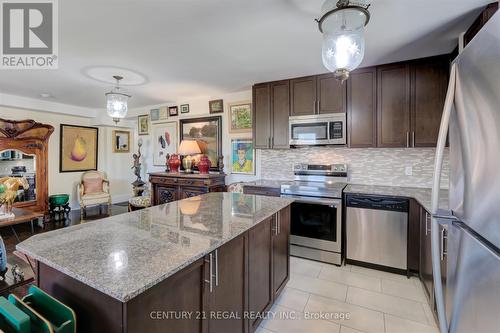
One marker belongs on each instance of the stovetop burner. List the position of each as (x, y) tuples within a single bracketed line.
[(324, 181)]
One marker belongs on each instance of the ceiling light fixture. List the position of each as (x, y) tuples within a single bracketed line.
[(342, 24), (116, 101)]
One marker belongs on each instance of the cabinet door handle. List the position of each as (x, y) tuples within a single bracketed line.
[(413, 139), (314, 107), (211, 272), (426, 223), (279, 223), (319, 107), (269, 142), (216, 268), (272, 141), (443, 237), (407, 139)]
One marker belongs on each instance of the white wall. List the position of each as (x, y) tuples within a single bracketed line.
[(198, 107), (115, 165)]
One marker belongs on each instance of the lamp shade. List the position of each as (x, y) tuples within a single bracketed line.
[(189, 147)]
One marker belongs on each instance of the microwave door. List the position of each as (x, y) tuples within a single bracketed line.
[(309, 133)]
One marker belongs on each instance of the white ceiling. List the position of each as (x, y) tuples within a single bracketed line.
[(188, 48)]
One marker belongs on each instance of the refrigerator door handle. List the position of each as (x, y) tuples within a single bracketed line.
[(438, 165)]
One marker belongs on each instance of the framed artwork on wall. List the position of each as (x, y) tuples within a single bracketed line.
[(242, 156), (78, 148), (143, 124), (185, 108), (164, 141), (173, 111), (216, 106), (121, 141), (154, 114), (207, 132), (240, 117)]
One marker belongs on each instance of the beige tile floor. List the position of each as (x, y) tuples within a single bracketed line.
[(349, 299)]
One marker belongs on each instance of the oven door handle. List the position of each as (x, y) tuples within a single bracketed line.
[(311, 200)]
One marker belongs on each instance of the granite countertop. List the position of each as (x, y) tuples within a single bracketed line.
[(124, 255), (422, 195)]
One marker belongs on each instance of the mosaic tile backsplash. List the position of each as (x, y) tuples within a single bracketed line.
[(371, 166)]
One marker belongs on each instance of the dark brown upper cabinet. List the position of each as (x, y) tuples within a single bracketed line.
[(262, 115), (481, 20), (280, 111), (317, 95), (429, 83), (331, 94), (303, 96), (362, 108), (271, 109), (393, 105)]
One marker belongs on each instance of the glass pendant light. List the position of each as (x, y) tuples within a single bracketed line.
[(116, 102), (342, 24)]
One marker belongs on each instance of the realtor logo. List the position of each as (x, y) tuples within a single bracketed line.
[(28, 34)]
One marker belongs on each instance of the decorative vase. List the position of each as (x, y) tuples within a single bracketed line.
[(173, 163), (204, 164)]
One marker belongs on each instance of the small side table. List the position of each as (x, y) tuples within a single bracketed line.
[(58, 211)]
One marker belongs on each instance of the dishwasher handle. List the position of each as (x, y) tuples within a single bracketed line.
[(378, 202)]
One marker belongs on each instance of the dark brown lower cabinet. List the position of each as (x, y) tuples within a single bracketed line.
[(211, 295), (260, 290), (226, 300), (281, 251), (425, 272)]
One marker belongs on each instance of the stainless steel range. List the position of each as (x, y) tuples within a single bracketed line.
[(316, 224)]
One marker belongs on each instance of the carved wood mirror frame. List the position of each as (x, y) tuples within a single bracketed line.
[(30, 138)]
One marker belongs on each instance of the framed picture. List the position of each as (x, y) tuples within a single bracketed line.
[(240, 116), (78, 148), (185, 108), (216, 106), (164, 141), (121, 141), (173, 111), (208, 132), (242, 156), (154, 114), (143, 124)]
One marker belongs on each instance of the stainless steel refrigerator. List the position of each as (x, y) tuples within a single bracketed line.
[(468, 299)]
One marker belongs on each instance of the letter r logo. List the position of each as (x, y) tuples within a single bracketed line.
[(27, 28)]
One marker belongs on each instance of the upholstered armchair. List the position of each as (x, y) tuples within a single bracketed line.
[(93, 190)]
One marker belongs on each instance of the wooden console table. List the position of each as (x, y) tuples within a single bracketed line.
[(168, 187), (21, 215)]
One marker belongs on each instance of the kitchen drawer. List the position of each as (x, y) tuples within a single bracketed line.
[(269, 191), (192, 182), (164, 180)]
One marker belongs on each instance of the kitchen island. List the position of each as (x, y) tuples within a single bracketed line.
[(210, 263)]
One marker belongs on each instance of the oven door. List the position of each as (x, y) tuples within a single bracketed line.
[(316, 223)]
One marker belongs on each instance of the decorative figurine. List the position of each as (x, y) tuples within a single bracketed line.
[(138, 184), (167, 167), (17, 274), (8, 193), (221, 164)]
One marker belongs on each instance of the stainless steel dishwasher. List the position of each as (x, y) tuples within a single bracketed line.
[(377, 230)]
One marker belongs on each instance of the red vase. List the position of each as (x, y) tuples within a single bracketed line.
[(204, 164), (174, 162)]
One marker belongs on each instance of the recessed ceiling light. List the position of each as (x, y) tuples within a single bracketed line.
[(46, 95)]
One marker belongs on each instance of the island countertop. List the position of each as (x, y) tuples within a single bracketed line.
[(124, 255)]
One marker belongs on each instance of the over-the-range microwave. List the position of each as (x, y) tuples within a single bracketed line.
[(320, 129)]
